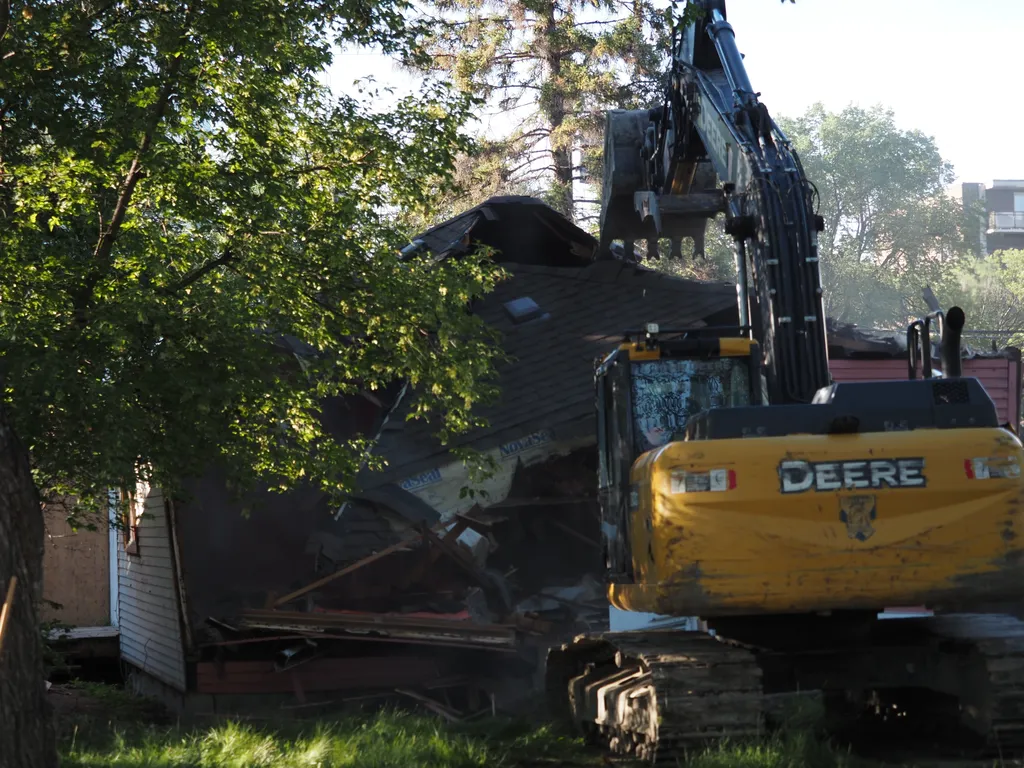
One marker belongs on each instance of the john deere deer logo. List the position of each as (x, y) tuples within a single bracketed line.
[(858, 512)]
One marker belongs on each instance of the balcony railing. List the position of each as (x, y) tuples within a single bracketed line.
[(1010, 221)]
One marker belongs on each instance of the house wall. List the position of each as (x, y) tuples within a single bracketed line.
[(1004, 241), (1000, 377), (1000, 198), (76, 571), (148, 605)]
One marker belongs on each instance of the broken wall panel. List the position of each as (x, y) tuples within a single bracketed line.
[(442, 487), (237, 550), (232, 560)]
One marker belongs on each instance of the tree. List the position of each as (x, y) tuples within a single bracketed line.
[(552, 68), (177, 193), (890, 228), (991, 293)]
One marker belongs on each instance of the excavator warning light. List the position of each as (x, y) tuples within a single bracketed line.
[(652, 329), (698, 482), (988, 469)]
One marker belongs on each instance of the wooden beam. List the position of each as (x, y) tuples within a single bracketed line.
[(347, 569), (577, 534), (6, 610), (448, 713)]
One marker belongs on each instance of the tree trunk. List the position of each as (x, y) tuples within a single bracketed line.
[(26, 722), (561, 146)]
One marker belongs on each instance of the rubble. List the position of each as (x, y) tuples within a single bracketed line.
[(414, 628), (443, 592)]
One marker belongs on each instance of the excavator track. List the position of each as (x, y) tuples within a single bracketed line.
[(654, 694), (992, 704)]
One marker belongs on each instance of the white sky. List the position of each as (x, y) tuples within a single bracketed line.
[(951, 68)]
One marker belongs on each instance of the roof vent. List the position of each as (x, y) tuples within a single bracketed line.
[(523, 310)]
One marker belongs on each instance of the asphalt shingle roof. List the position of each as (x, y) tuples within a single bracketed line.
[(550, 381)]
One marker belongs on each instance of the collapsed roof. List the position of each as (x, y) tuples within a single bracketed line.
[(557, 314), (521, 229)]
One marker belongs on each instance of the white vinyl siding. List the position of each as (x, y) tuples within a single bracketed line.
[(147, 598)]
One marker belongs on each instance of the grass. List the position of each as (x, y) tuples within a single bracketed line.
[(117, 732), (784, 750), (112, 734)]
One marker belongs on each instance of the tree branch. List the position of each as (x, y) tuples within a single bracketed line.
[(107, 238), (5, 18), (105, 244), (600, 21), (302, 170), (225, 258)]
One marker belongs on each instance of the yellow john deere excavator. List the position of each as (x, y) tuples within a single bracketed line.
[(738, 484)]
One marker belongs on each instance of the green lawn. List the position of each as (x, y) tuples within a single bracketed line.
[(100, 726), (115, 730), (386, 740)]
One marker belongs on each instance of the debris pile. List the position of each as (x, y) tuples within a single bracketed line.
[(454, 617)]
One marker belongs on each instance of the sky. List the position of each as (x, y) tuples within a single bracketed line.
[(950, 68)]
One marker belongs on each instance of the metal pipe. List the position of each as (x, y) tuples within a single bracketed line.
[(742, 292), (913, 336), (952, 327), (926, 344)]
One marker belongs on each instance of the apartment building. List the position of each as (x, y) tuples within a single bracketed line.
[(1000, 209)]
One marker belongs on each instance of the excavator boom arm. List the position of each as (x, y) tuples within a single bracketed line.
[(712, 121)]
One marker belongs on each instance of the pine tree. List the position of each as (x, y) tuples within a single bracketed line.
[(551, 68)]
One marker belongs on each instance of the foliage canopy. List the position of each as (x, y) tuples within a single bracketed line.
[(890, 227), (179, 193)]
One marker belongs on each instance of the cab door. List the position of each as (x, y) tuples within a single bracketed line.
[(615, 459)]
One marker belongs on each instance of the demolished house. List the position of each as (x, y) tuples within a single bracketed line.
[(414, 586), (429, 585)]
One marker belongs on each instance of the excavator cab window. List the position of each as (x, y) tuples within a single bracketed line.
[(667, 392)]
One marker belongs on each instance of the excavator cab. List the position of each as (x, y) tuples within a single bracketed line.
[(647, 390)]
